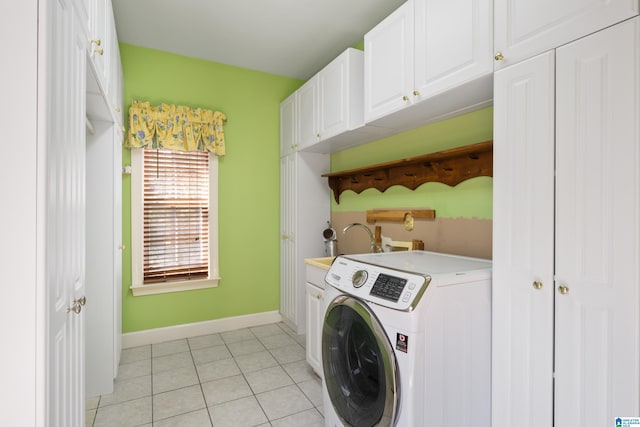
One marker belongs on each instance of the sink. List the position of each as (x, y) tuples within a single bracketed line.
[(323, 263)]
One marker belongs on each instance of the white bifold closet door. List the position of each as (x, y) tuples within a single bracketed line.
[(566, 289)]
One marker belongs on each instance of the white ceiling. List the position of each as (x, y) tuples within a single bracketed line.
[(293, 38)]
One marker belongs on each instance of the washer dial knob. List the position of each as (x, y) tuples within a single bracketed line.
[(359, 278)]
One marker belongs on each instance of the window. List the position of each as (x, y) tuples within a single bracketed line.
[(174, 220)]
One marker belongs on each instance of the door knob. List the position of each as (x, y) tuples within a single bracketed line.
[(76, 308), (563, 289)]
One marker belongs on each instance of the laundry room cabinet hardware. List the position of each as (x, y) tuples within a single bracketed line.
[(449, 167)]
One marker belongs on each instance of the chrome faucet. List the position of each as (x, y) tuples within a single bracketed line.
[(375, 248)]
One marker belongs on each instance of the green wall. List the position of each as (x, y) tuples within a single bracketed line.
[(248, 184), (469, 199)]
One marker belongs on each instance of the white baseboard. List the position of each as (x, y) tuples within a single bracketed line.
[(152, 336)]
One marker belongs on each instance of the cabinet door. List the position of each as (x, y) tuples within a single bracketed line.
[(288, 125), (453, 43), (341, 94), (315, 317), (524, 28), (598, 228), (307, 113), (523, 166), (388, 64), (118, 246), (333, 97), (288, 220), (100, 262), (100, 30), (61, 216), (115, 73)]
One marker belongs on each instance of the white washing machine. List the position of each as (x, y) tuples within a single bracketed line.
[(406, 341)]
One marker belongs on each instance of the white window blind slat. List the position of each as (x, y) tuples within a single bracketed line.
[(175, 216)]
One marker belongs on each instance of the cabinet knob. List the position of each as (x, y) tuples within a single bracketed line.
[(318, 135), (99, 51), (537, 285), (117, 109), (563, 289), (416, 93), (121, 247), (76, 308), (76, 305), (405, 98), (498, 56), (97, 42), (318, 296)]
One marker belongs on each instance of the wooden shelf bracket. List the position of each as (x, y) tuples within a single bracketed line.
[(449, 167)]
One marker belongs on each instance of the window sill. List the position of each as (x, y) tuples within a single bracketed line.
[(163, 288)]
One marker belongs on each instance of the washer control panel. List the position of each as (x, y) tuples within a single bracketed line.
[(391, 288), (388, 287)]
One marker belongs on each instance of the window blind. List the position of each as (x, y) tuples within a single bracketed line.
[(176, 215)]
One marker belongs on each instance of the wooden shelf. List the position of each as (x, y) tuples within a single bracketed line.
[(398, 215), (449, 167)]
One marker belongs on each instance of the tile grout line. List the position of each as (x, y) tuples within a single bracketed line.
[(247, 381), (152, 399), (199, 381)]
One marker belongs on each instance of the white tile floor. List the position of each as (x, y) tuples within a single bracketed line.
[(247, 377)]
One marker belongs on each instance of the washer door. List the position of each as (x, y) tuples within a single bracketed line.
[(360, 368)]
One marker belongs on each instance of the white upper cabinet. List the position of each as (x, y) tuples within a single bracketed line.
[(453, 43), (326, 106), (331, 101), (288, 125), (340, 94), (525, 28), (388, 64), (98, 25), (100, 17), (116, 79), (424, 49), (307, 113)]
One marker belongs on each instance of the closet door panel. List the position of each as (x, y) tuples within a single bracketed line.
[(523, 244), (598, 227)]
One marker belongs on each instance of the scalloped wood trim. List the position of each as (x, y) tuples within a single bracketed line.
[(449, 167)]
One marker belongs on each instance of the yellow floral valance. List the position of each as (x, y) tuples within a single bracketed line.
[(175, 127)]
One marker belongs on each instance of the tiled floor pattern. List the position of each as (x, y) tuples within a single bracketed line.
[(247, 377)]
